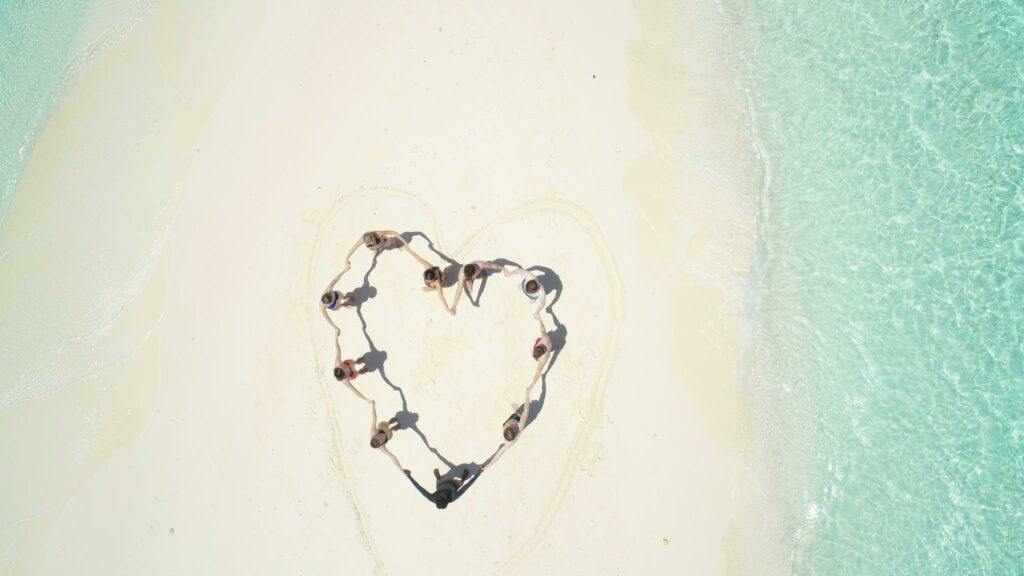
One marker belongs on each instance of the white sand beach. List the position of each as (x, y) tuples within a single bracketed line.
[(199, 185)]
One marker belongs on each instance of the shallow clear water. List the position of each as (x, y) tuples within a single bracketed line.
[(37, 43), (890, 314)]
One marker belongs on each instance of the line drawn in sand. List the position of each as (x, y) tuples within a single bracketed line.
[(547, 206)]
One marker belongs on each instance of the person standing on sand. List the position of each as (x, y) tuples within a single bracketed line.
[(541, 347), (381, 433), (376, 241), (513, 427), (469, 273), (531, 287), (448, 486), (432, 278), (333, 300), (345, 370), (514, 424)]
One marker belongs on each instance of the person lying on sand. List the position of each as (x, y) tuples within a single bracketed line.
[(448, 486), (469, 273), (531, 287), (381, 433)]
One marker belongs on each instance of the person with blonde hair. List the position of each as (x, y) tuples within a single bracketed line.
[(377, 240)]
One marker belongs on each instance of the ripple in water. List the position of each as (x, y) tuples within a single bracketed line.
[(890, 337)]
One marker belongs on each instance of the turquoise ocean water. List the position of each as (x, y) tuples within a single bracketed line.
[(889, 353), (37, 48)]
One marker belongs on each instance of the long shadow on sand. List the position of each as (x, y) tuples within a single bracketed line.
[(375, 358)]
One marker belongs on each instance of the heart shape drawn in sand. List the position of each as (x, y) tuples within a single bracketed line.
[(578, 378)]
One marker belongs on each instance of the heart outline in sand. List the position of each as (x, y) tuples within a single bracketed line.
[(563, 208)]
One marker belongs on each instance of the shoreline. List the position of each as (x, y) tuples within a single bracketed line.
[(213, 435), (757, 533)]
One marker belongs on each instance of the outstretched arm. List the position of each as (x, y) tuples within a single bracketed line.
[(526, 412), (497, 455), (354, 248), (385, 450), (356, 392), (334, 280), (526, 403), (348, 382), (323, 310), (373, 417), (491, 266), (328, 290), (440, 294), (541, 363), (412, 252), (458, 291), (541, 301), (386, 233)]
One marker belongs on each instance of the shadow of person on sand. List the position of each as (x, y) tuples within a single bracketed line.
[(361, 295), (480, 283), (408, 421), (454, 473), (552, 285), (450, 271), (375, 359)]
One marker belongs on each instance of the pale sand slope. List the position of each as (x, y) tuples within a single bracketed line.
[(605, 144)]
